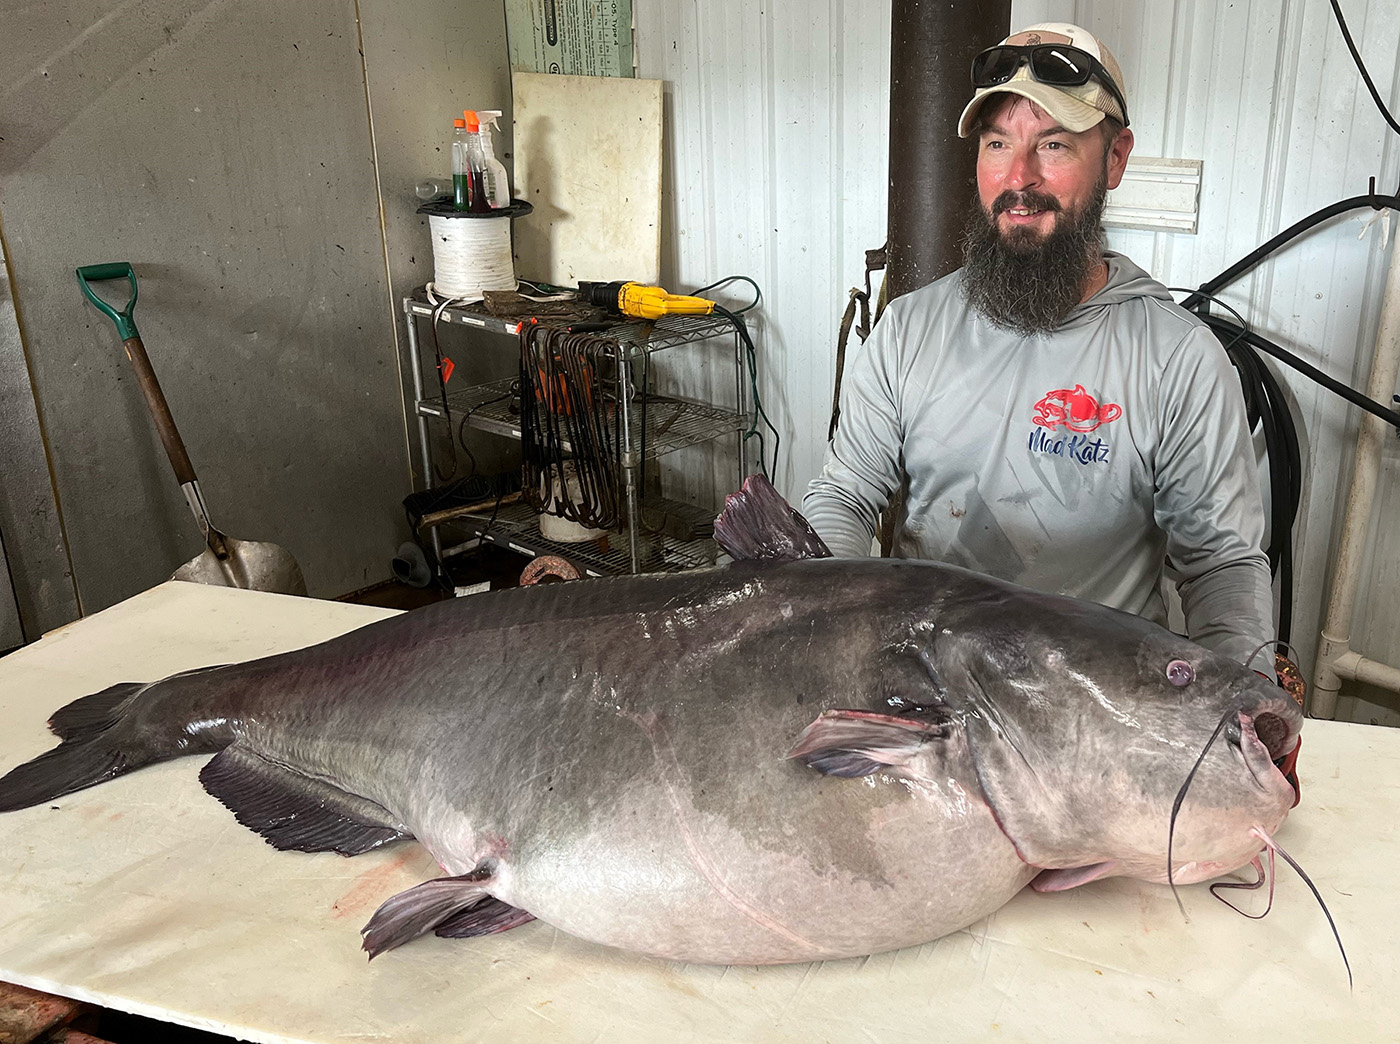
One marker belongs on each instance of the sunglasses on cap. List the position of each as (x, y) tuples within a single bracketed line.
[(1054, 64)]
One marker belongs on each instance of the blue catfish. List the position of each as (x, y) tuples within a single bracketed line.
[(789, 758)]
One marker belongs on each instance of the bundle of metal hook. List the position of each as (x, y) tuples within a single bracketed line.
[(569, 424)]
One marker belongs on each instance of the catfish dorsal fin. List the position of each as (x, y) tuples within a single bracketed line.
[(758, 524)]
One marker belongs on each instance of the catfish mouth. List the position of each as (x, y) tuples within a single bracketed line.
[(1272, 731), (1272, 722), (1258, 742)]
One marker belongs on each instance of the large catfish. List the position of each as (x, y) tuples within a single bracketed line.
[(787, 759)]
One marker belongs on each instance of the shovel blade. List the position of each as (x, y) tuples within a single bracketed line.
[(253, 565)]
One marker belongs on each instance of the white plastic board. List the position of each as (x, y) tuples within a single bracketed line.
[(144, 894), (588, 157)]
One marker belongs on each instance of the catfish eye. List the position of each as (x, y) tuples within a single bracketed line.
[(1180, 673)]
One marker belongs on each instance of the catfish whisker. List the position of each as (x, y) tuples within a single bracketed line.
[(1260, 648), (1274, 846), (1259, 869), (1176, 806)]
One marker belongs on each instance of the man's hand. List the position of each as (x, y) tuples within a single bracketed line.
[(1290, 679)]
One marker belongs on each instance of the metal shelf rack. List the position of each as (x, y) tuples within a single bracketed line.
[(516, 527), (652, 426), (671, 423)]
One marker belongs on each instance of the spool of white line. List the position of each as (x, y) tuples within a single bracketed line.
[(471, 252)]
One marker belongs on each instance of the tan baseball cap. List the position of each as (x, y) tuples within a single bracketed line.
[(1075, 108)]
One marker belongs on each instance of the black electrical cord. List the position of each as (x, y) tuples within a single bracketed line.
[(1262, 391), (465, 419), (751, 356), (1337, 387), (442, 392), (1360, 65), (1214, 300), (757, 293), (1251, 259)]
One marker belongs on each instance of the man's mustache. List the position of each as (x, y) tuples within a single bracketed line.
[(1028, 199)]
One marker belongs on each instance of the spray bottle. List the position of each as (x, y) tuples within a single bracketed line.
[(461, 170), (497, 181), (476, 162)]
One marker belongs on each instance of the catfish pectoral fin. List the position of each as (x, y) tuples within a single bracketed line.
[(853, 743), (1063, 879), (441, 903), (294, 812)]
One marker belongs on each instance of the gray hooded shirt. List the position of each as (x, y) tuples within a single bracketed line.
[(1082, 462)]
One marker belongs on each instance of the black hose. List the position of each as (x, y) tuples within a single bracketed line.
[(1251, 259)]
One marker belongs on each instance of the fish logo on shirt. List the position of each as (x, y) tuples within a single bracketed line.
[(1076, 409)]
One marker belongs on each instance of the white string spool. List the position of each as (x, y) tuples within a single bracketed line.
[(471, 255)]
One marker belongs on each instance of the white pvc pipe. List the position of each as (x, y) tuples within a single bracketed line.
[(1356, 667), (1334, 657)]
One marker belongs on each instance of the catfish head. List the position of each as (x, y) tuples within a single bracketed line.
[(1081, 724)]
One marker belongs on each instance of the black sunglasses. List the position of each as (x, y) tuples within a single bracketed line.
[(1053, 64)]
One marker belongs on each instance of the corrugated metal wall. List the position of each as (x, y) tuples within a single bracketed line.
[(776, 150)]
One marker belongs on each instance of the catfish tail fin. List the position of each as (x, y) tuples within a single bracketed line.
[(102, 739), (68, 767), (88, 715)]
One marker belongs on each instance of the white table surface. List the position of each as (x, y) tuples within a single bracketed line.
[(144, 894)]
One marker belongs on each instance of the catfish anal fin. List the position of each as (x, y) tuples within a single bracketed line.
[(758, 524), (293, 811)]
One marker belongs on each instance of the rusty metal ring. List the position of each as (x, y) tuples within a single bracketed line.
[(548, 565)]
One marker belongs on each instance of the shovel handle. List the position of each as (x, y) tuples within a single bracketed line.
[(160, 410), (140, 362), (88, 274)]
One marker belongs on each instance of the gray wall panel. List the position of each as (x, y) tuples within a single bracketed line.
[(36, 585), (225, 150)]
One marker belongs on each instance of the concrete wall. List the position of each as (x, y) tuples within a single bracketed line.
[(36, 585), (226, 150), (425, 62)]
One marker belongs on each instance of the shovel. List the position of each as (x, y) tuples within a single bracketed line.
[(253, 565)]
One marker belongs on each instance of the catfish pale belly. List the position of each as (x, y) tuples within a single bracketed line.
[(774, 761)]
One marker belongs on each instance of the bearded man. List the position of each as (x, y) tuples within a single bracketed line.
[(1055, 419)]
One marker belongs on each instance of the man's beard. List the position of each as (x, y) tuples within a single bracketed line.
[(1021, 281)]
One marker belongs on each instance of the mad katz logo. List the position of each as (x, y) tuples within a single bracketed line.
[(1079, 414)]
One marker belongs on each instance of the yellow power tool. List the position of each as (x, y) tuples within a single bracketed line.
[(641, 301)]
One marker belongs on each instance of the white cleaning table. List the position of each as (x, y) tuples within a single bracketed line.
[(143, 894)]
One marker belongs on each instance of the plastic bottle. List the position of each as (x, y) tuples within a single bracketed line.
[(433, 188), (461, 169), (497, 180), (476, 164)]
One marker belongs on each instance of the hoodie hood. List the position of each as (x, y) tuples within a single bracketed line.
[(1126, 281)]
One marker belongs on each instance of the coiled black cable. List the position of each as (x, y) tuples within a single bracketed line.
[(1265, 401)]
